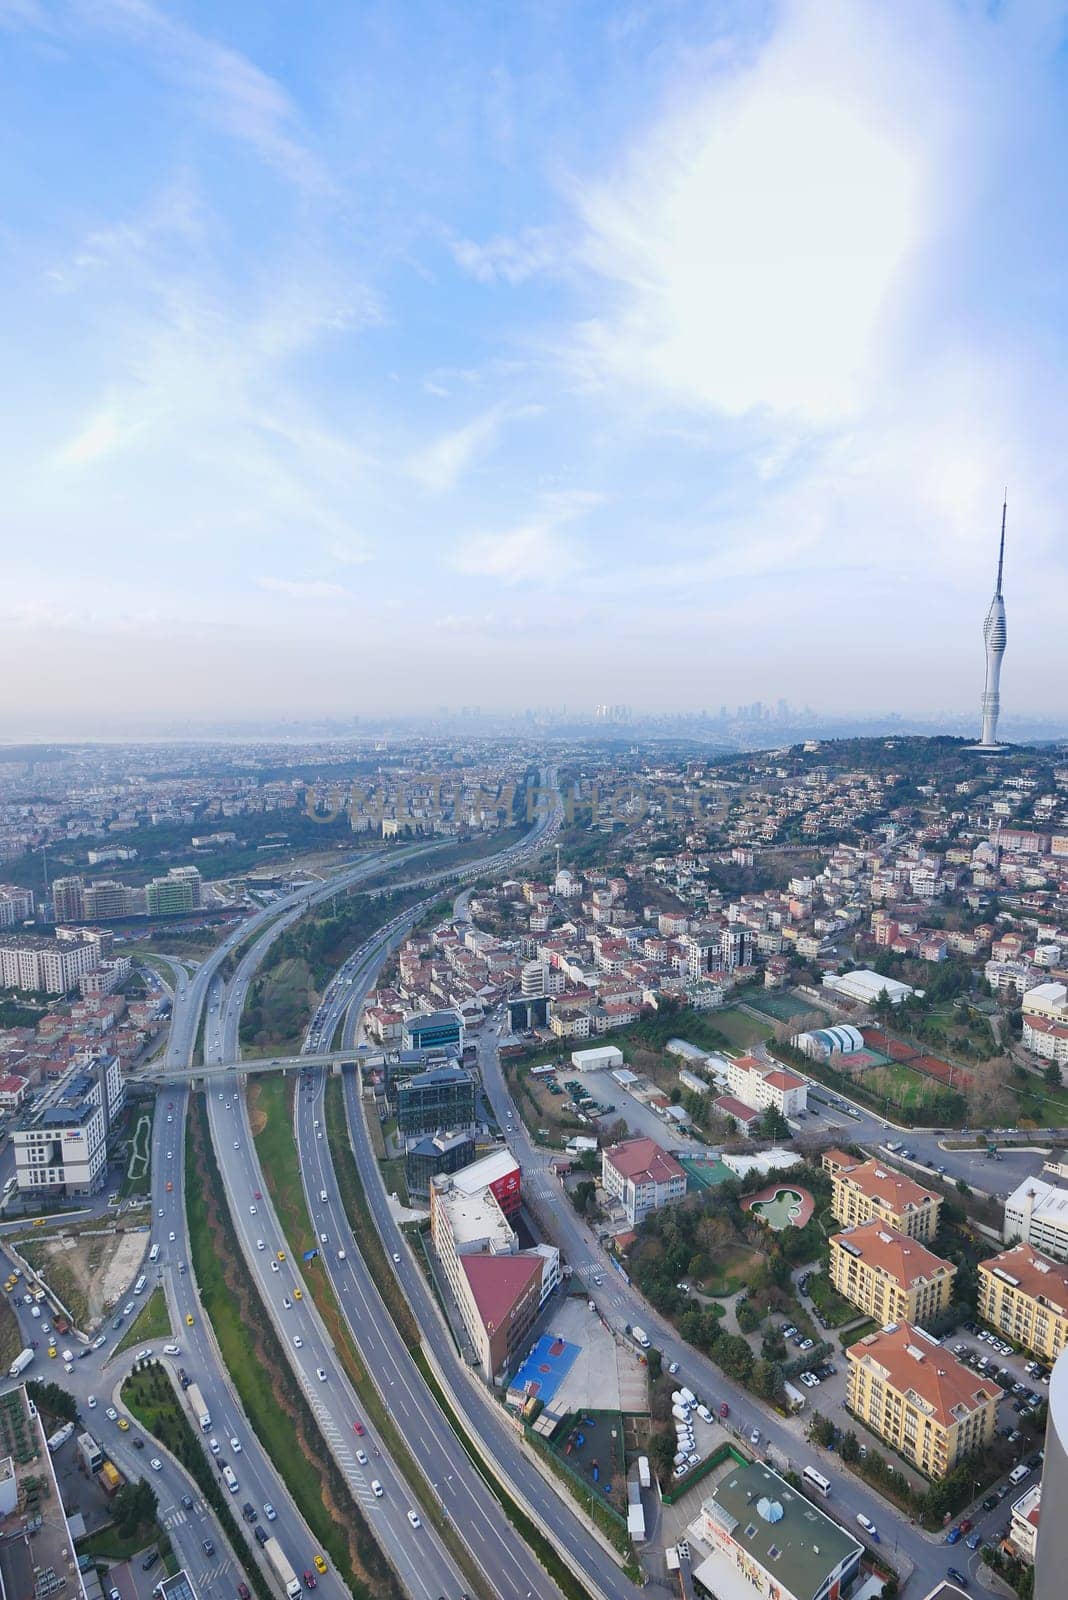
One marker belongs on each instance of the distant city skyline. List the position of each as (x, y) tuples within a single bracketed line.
[(655, 356)]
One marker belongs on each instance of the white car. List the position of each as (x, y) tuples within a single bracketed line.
[(213, 1446), (156, 1464), (866, 1523), (235, 1446), (251, 1209), (274, 1266), (160, 1211), (91, 1402), (287, 1304), (320, 1374), (396, 1258), (172, 1350), (341, 1255), (361, 1457), (170, 1238), (376, 1489), (322, 1238), (413, 1518), (260, 1245), (236, 1145), (298, 1342), (754, 1437), (111, 1414), (269, 1512)]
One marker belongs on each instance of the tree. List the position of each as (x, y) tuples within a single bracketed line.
[(53, 1400), (773, 1125), (850, 1447), (1052, 1075), (821, 1430), (135, 1507)]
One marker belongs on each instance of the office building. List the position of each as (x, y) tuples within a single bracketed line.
[(434, 1155), (179, 892), (889, 1276), (62, 1147), (1051, 1552), (766, 1537), (642, 1177), (871, 1192), (52, 966), (912, 1392), (443, 1097), (1024, 1295), (434, 1030), (1037, 1213)]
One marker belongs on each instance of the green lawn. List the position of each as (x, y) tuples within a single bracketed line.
[(108, 1544), (903, 1087), (10, 1336), (825, 1297), (151, 1322), (731, 1270), (739, 1030)]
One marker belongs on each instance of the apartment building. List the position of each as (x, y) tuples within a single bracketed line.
[(1023, 1525), (760, 1086), (1024, 1295), (1037, 1213), (929, 1406), (642, 1177), (1045, 1022), (178, 892), (53, 966), (872, 1192), (888, 1275)]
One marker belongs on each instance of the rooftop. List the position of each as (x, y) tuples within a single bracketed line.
[(643, 1161), (792, 1539), (892, 1189), (498, 1283), (1035, 1274), (476, 1221), (916, 1365), (892, 1253), (478, 1175)]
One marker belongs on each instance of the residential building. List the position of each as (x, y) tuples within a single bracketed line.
[(1024, 1295), (912, 1392), (642, 1177), (443, 1097), (434, 1030), (871, 1192), (889, 1276), (761, 1086), (1037, 1213), (179, 892), (1051, 1557), (68, 899), (53, 966), (1023, 1524), (763, 1535)]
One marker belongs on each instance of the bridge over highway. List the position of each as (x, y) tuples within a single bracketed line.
[(198, 1076)]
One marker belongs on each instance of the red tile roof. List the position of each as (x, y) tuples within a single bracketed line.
[(643, 1161), (498, 1283)]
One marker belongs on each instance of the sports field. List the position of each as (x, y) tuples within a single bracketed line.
[(705, 1174), (902, 1087), (740, 1030), (775, 1003)]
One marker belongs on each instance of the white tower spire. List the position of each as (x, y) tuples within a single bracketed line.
[(994, 637)]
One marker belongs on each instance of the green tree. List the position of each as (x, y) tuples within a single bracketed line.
[(134, 1507), (821, 1430), (773, 1125), (849, 1447)]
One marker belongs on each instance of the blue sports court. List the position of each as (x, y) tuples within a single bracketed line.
[(545, 1368)]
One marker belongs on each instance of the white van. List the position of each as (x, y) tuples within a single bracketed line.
[(1018, 1474), (139, 1286)]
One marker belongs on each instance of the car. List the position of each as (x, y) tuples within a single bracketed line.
[(187, 1501), (156, 1464), (974, 1541), (237, 1145), (124, 1424), (396, 1258), (261, 1535), (281, 1255), (252, 1211), (358, 1427), (806, 1344), (377, 1489), (310, 1580), (953, 1536), (965, 1524), (320, 1564), (111, 1414), (137, 1442), (724, 1409), (298, 1342), (170, 1237), (990, 1502), (159, 1213), (287, 1304), (260, 1245), (171, 1350), (269, 1512), (414, 1519), (244, 1591), (150, 1561), (128, 1309), (361, 1457), (235, 1446), (866, 1523), (754, 1437), (320, 1374), (298, 1293), (189, 1319), (213, 1446), (274, 1266), (249, 1512), (673, 1367), (91, 1402), (956, 1577)]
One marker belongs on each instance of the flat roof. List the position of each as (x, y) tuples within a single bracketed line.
[(790, 1537), (474, 1218), (26, 1563), (477, 1175)]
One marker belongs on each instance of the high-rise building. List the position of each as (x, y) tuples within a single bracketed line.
[(68, 899), (178, 892), (1051, 1557), (994, 637)]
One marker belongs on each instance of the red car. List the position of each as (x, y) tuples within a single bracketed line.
[(358, 1426), (724, 1409), (244, 1592), (257, 1195), (310, 1580), (966, 1525)]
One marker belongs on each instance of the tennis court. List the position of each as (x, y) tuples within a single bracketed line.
[(545, 1368), (705, 1174)]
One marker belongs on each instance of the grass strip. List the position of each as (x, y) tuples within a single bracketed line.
[(527, 1530), (148, 1395), (271, 1112), (361, 1221), (151, 1322), (270, 1394)]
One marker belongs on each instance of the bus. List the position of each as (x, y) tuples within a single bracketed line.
[(816, 1479)]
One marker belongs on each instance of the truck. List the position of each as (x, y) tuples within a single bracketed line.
[(640, 1337), (645, 1477), (60, 1437), (110, 1479), (290, 1582), (197, 1406), (21, 1362), (794, 1396)]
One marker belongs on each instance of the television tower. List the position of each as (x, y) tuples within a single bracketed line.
[(994, 638)]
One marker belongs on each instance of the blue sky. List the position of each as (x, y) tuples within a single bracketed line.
[(375, 357)]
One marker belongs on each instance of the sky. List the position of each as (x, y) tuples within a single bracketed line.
[(368, 358)]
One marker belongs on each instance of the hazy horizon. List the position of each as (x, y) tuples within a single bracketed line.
[(663, 354)]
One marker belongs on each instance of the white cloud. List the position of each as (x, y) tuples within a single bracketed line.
[(441, 465), (537, 551), (302, 588), (508, 260), (351, 553), (102, 435)]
